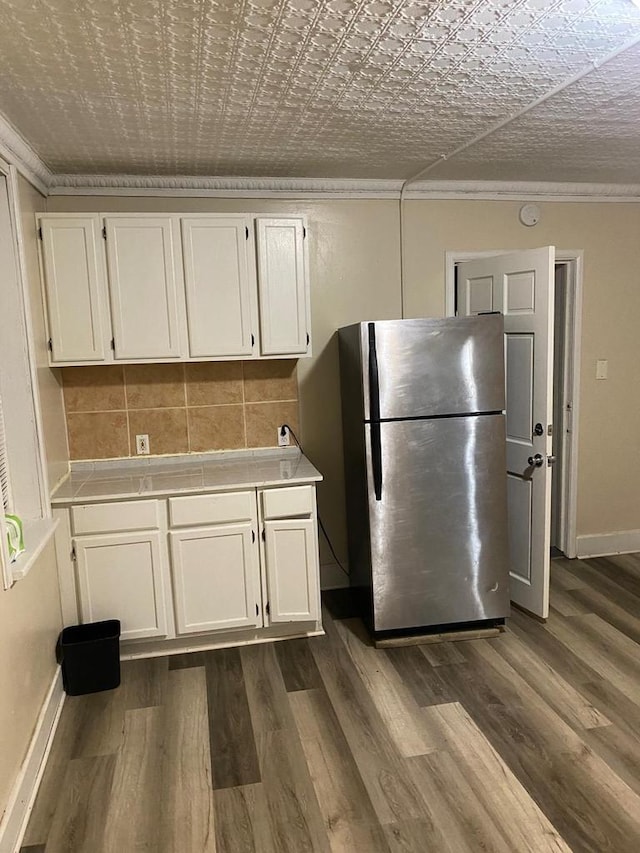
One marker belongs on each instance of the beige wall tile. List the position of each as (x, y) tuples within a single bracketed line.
[(270, 380), (93, 389), (263, 420), (154, 386), (214, 383), (97, 435), (216, 428), (166, 428)]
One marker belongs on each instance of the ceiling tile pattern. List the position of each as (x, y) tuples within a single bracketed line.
[(591, 128), (313, 88)]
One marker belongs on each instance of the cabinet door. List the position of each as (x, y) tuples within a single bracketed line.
[(216, 578), (74, 279), (120, 577), (144, 276), (282, 287), (291, 555), (217, 286)]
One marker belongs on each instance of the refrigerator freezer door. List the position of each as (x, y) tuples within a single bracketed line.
[(427, 368), (439, 531)]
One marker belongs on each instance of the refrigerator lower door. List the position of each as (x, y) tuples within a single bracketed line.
[(438, 532)]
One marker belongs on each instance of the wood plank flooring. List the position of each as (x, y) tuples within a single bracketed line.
[(526, 742)]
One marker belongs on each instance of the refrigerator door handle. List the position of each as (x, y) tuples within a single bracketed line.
[(374, 382), (376, 459), (374, 414)]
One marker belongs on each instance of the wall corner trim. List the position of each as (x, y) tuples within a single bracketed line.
[(607, 544), (25, 788)]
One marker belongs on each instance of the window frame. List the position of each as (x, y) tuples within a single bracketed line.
[(38, 529)]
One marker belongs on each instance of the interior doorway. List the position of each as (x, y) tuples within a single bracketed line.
[(567, 308)]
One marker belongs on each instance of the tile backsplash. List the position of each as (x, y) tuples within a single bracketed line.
[(194, 407)]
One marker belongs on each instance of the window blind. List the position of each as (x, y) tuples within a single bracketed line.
[(5, 482)]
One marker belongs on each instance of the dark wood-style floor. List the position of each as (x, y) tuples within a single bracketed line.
[(527, 742)]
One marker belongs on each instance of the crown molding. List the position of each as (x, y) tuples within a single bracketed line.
[(225, 187), (184, 186), (523, 191), (17, 151)]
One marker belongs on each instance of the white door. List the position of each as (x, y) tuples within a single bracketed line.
[(216, 578), (144, 275), (218, 286), (120, 577), (75, 280), (291, 555), (282, 287), (520, 286)]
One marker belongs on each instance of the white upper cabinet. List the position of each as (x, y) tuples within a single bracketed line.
[(218, 285), (74, 276), (144, 264), (283, 287), (162, 287)]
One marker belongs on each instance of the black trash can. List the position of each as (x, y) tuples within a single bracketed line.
[(90, 657)]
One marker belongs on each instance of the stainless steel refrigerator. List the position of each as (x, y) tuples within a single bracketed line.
[(424, 446)]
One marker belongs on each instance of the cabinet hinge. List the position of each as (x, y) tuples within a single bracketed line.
[(253, 340), (304, 233), (73, 553), (257, 610), (246, 232), (263, 535), (40, 232), (268, 609), (253, 536), (113, 344), (104, 232), (308, 338), (50, 344)]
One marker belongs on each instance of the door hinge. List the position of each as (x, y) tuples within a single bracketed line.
[(104, 232), (113, 344), (50, 344), (268, 609), (73, 553), (40, 232), (246, 232), (253, 536)]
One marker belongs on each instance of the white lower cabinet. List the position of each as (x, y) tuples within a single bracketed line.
[(205, 564), (216, 578), (120, 576), (291, 558)]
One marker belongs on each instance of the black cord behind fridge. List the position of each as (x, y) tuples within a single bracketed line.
[(320, 523)]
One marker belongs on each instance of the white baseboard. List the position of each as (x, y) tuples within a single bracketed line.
[(23, 794), (332, 576), (605, 544)]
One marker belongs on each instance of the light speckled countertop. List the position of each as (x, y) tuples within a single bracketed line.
[(170, 475)]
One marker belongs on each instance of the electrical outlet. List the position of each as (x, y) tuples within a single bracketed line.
[(283, 440), (142, 444)]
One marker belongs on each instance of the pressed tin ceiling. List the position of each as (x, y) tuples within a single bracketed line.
[(325, 88)]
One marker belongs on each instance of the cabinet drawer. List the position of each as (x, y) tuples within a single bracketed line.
[(284, 503), (115, 517), (212, 509)]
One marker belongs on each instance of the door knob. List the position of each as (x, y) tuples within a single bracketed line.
[(536, 461)]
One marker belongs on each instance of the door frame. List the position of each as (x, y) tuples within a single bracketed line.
[(573, 258)]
